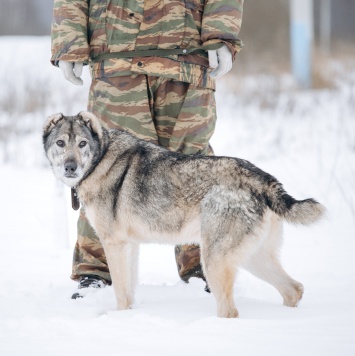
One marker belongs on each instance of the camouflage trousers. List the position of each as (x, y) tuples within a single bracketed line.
[(173, 114)]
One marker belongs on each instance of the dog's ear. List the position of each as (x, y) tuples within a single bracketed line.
[(92, 122), (51, 122)]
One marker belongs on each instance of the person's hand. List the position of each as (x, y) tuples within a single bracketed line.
[(72, 71), (221, 60)]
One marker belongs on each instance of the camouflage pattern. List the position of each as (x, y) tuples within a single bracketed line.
[(69, 31), (84, 29), (188, 262), (173, 114), (167, 100), (176, 115), (89, 257)]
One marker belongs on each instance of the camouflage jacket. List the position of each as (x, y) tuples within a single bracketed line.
[(145, 36)]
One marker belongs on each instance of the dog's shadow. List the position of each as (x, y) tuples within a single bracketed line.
[(187, 303)]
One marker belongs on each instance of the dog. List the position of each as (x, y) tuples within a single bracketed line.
[(136, 192)]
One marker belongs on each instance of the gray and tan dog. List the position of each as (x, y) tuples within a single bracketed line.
[(136, 192)]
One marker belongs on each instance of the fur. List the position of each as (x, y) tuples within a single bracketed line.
[(136, 192)]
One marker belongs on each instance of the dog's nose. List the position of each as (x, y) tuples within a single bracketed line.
[(70, 167)]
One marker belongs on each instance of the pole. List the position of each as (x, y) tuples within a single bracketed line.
[(301, 31), (325, 26)]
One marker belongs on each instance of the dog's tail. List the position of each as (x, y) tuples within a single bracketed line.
[(293, 211)]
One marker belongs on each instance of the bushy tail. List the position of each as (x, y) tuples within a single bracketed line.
[(293, 211)]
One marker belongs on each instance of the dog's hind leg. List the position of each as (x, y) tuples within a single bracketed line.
[(123, 270), (265, 264), (220, 274)]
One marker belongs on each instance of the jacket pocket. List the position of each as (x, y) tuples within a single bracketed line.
[(122, 24), (181, 23)]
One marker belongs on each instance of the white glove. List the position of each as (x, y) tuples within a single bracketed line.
[(72, 71), (221, 60)]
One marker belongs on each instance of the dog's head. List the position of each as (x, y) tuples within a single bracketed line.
[(73, 145)]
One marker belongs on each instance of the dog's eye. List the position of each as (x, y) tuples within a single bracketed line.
[(60, 143), (82, 144)]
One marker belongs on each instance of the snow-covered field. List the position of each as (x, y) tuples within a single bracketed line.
[(306, 139)]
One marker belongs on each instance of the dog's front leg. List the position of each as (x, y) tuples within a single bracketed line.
[(119, 258)]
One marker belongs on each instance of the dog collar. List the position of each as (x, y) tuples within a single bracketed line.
[(75, 203)]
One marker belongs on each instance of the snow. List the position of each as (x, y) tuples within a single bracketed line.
[(305, 139)]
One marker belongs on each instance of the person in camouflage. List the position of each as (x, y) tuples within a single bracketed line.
[(153, 65)]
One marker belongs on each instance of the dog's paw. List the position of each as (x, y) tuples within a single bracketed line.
[(228, 313), (292, 299), (124, 304)]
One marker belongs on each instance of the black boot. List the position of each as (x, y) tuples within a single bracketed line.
[(89, 281)]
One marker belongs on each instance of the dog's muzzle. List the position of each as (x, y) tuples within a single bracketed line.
[(70, 168)]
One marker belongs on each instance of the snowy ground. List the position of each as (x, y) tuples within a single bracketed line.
[(305, 139)]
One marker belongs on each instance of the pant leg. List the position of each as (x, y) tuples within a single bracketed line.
[(123, 102), (185, 118), (176, 115), (89, 257), (119, 102)]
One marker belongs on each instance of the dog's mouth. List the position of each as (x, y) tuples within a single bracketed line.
[(70, 175)]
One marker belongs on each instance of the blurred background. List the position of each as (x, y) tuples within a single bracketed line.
[(262, 85), (264, 94), (265, 29)]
